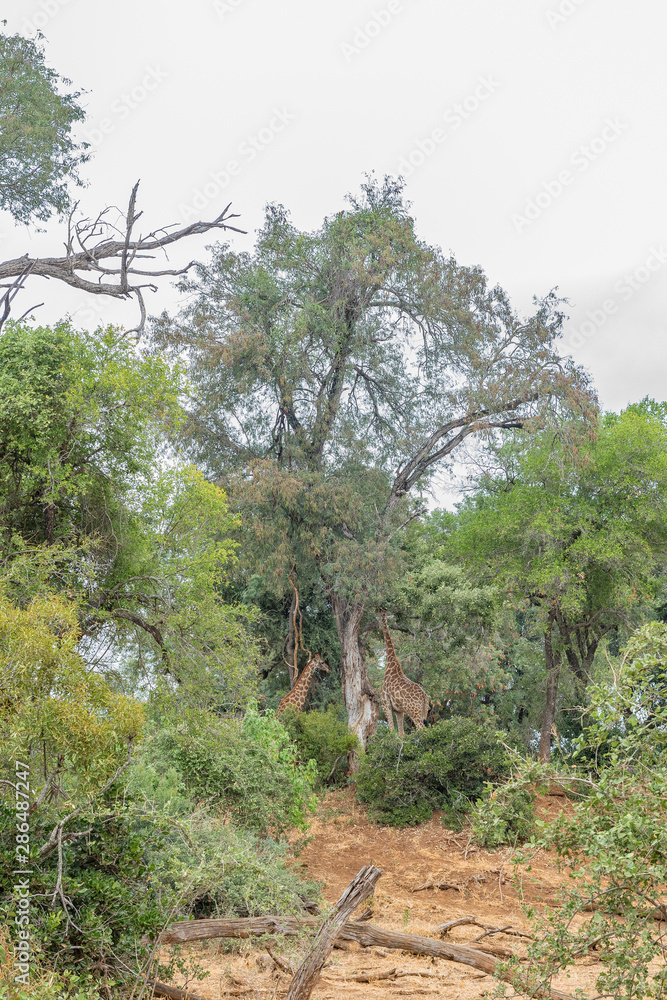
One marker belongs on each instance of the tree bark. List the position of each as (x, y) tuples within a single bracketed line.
[(552, 661), (361, 699), (306, 976)]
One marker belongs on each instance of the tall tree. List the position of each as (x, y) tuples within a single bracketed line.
[(333, 373), (88, 511), (39, 156), (578, 534)]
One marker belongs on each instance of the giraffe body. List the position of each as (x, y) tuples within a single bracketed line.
[(296, 698), (399, 694)]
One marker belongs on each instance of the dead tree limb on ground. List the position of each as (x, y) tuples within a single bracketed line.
[(364, 934), (360, 888), (109, 251)]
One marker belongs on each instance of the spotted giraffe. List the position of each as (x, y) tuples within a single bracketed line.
[(297, 696), (399, 693)]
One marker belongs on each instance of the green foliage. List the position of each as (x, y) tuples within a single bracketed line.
[(94, 910), (505, 814), (448, 638), (38, 153), (333, 371), (43, 984), (248, 767), (53, 710), (324, 738), (212, 866), (444, 766), (613, 846), (572, 536), (86, 506)]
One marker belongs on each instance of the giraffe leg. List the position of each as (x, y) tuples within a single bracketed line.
[(386, 708), (399, 723)]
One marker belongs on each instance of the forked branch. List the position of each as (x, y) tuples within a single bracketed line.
[(112, 253)]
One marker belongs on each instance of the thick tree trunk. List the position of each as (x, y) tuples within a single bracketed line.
[(552, 661), (360, 697)]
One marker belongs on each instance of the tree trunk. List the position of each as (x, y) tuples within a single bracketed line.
[(360, 697), (306, 976), (552, 661)]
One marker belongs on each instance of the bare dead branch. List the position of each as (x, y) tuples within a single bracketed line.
[(97, 245), (306, 976)]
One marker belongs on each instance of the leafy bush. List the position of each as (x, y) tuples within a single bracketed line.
[(442, 767), (324, 738), (95, 913), (132, 871), (505, 814), (613, 844), (247, 766)]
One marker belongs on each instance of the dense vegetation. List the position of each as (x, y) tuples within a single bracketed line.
[(180, 523)]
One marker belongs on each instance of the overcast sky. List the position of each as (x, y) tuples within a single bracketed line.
[(531, 134)]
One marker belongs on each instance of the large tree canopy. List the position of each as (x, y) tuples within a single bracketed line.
[(579, 535), (39, 156), (88, 509), (333, 372)]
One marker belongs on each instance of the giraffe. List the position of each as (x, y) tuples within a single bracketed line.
[(297, 696), (399, 693)]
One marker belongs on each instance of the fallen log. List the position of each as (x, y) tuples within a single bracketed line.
[(363, 933), (306, 976)]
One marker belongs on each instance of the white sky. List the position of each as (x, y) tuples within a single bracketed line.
[(335, 89)]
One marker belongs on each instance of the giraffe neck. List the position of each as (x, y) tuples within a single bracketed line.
[(302, 686), (392, 666)]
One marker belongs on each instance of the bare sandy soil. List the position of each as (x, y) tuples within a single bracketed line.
[(342, 842)]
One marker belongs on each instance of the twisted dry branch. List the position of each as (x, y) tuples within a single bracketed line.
[(91, 246)]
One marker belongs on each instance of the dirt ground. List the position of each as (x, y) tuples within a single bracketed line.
[(342, 842)]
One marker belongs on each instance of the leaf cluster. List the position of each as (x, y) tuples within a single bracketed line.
[(444, 766), (39, 154)]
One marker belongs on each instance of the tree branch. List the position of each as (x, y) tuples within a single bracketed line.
[(125, 251)]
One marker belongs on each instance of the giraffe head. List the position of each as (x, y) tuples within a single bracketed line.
[(297, 696), (318, 664)]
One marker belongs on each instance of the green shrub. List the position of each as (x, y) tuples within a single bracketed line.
[(108, 900), (248, 766), (133, 870), (442, 767), (324, 738), (504, 815)]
